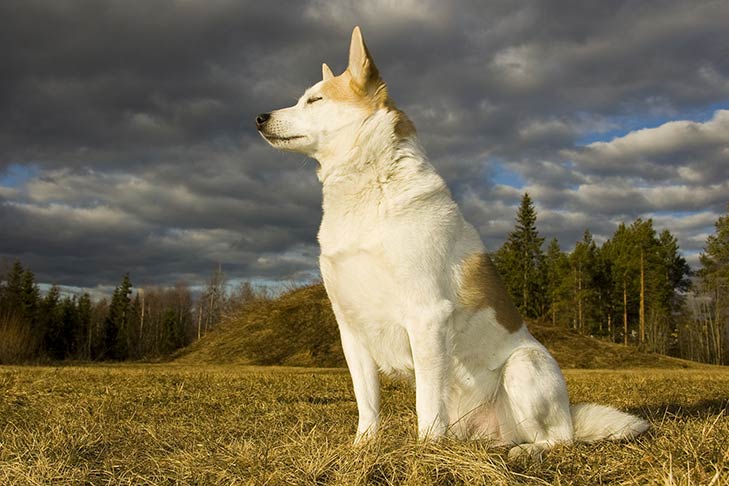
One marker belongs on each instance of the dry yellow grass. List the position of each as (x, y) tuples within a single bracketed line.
[(204, 424)]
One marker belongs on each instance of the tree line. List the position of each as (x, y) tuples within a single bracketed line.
[(635, 288), (132, 324)]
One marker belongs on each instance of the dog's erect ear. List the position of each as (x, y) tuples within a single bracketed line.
[(326, 73), (361, 67)]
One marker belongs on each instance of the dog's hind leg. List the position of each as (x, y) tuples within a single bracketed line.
[(533, 404)]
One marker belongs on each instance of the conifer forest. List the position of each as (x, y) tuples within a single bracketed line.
[(635, 288)]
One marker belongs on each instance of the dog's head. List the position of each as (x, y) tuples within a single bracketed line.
[(319, 123)]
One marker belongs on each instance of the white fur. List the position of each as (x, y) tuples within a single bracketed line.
[(393, 243)]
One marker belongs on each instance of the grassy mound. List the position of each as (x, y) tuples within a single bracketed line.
[(573, 350), (296, 329), (299, 329)]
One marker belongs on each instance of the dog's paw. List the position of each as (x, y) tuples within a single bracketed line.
[(364, 438), (436, 431), (529, 452)]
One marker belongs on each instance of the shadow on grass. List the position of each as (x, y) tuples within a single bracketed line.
[(314, 400), (700, 409)]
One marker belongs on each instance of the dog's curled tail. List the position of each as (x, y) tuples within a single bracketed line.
[(594, 422)]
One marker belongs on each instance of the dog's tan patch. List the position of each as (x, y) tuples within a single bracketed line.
[(404, 127), (343, 88), (482, 288), (338, 89)]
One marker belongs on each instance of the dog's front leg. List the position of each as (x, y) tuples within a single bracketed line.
[(366, 383), (431, 359)]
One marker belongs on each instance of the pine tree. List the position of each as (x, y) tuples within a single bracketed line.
[(714, 276), (137, 323), (117, 322), (98, 330), (557, 269), (12, 292), (605, 294), (520, 262), (677, 269), (70, 323), (669, 284), (649, 273), (620, 250), (646, 243), (30, 300), (83, 331), (583, 261), (51, 324), (172, 332)]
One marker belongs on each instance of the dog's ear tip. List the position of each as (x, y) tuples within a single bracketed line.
[(326, 72), (361, 66), (357, 34)]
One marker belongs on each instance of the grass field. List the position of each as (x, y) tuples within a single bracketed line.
[(177, 424)]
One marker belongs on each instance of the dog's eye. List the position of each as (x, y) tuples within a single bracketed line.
[(313, 99)]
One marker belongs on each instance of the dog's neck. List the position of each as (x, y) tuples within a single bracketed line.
[(377, 156), (358, 150)]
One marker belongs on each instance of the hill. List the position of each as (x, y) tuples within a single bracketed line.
[(299, 329), (296, 329)]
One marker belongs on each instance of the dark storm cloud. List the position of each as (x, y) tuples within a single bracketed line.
[(136, 120), (117, 79)]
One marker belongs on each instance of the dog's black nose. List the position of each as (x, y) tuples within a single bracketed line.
[(262, 119)]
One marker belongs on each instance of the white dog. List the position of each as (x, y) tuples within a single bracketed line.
[(410, 282)]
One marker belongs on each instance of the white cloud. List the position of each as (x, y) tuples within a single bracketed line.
[(519, 66), (353, 12), (687, 198), (682, 150), (72, 221), (8, 192)]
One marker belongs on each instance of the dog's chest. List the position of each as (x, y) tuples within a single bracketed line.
[(359, 264), (364, 279)]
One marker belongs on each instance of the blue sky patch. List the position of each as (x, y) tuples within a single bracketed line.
[(627, 124), (17, 175), (500, 174)]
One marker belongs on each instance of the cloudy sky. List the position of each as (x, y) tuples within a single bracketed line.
[(127, 140)]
